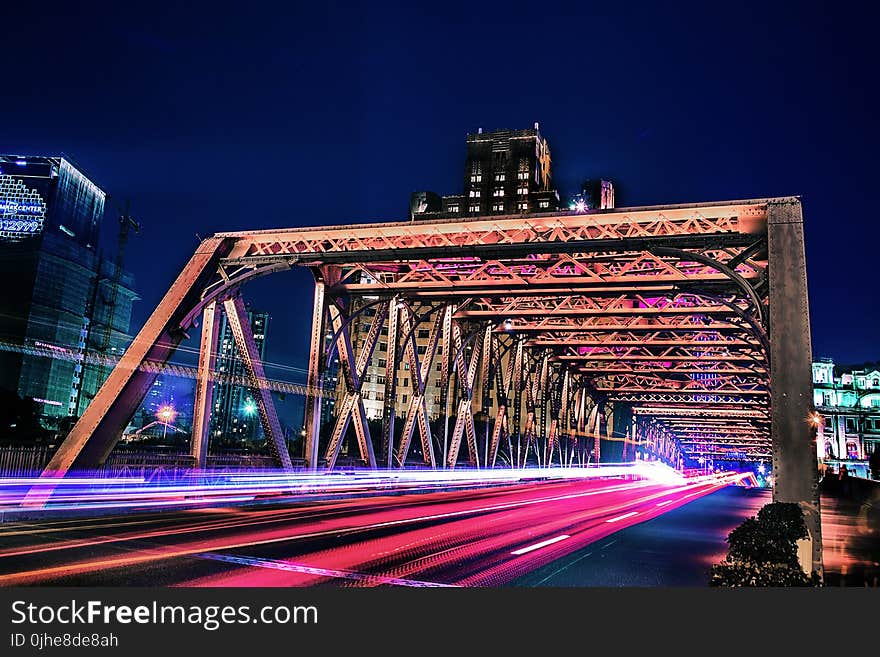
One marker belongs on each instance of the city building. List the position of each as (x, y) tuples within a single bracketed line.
[(505, 172), (594, 195), (236, 419), (848, 401), (65, 311)]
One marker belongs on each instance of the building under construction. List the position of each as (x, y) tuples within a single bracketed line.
[(60, 294)]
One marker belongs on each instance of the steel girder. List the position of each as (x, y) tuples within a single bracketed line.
[(562, 317)]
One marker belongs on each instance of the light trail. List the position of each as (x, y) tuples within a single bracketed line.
[(322, 572), (460, 537), (85, 493)]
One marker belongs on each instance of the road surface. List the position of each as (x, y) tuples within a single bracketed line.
[(474, 537), (675, 549)]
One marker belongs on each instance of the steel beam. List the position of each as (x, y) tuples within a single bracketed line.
[(353, 369), (389, 414), (237, 319), (204, 395), (101, 425), (315, 377), (795, 464)]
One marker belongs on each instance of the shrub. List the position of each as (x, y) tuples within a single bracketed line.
[(763, 550), (749, 573)]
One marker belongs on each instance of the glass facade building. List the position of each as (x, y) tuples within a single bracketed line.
[(57, 308)]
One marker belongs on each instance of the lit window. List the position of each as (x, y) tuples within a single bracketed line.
[(476, 179), (544, 204), (522, 190), (522, 206), (499, 177), (497, 207), (498, 192), (474, 193), (522, 175), (453, 208), (475, 208)]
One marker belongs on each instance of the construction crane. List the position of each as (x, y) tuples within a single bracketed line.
[(126, 225)]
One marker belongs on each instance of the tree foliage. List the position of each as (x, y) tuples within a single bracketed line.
[(19, 419), (763, 550), (749, 573)]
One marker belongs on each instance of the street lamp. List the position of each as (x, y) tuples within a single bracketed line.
[(166, 416)]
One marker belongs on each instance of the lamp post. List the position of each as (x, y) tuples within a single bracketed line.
[(166, 416)]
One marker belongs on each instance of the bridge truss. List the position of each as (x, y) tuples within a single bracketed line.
[(681, 331)]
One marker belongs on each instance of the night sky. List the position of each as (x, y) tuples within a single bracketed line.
[(211, 119)]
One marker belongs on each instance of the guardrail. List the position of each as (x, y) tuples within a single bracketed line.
[(27, 460)]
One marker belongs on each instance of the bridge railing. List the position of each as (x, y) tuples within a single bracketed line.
[(29, 460)]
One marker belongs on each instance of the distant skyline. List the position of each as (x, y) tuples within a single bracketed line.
[(314, 114)]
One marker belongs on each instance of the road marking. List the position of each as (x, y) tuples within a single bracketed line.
[(568, 565), (625, 515), (538, 546), (665, 503), (293, 567)]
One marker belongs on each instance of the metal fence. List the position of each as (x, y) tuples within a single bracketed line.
[(22, 461)]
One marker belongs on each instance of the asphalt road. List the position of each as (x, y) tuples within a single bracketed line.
[(675, 549), (512, 534)]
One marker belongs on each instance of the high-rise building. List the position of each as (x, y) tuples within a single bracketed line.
[(505, 172), (236, 419), (61, 298)]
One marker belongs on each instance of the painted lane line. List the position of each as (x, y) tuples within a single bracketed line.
[(666, 502), (624, 516), (538, 546), (293, 567)]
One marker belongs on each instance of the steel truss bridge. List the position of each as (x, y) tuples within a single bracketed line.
[(683, 329)]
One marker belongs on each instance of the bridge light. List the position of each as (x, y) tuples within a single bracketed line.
[(508, 325), (762, 469), (816, 419), (250, 407)]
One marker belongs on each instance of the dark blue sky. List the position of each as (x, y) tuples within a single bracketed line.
[(210, 118)]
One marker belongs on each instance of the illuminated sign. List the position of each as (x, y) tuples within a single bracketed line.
[(9, 206), (22, 209)]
